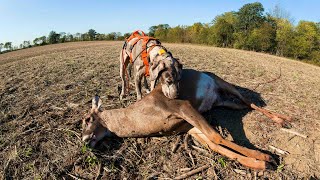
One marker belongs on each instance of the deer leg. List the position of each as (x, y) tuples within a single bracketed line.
[(229, 88), (193, 117), (231, 105), (246, 161)]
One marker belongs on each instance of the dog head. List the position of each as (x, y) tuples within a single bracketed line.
[(168, 71)]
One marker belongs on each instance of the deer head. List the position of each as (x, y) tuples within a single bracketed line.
[(92, 130)]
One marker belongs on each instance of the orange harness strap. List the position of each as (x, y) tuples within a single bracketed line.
[(144, 53)]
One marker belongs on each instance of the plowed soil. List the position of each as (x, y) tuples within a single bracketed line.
[(45, 91)]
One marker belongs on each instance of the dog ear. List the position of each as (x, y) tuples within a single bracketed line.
[(96, 103), (180, 65), (156, 68)]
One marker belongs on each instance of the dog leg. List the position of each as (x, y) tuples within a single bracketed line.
[(137, 80), (246, 161), (124, 61), (146, 86)]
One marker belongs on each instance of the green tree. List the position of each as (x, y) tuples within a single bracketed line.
[(111, 36), (250, 16), (62, 37), (85, 37), (223, 29), (305, 40), (162, 32), (152, 31), (262, 38), (43, 40), (284, 37), (193, 32), (69, 37), (92, 34), (176, 34), (36, 42), (26, 44), (100, 37), (8, 46), (1, 46), (77, 37), (53, 37)]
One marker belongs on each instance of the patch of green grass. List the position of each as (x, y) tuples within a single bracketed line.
[(112, 167), (280, 167), (222, 162), (91, 160), (85, 148), (28, 152)]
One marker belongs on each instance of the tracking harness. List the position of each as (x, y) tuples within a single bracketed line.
[(140, 35)]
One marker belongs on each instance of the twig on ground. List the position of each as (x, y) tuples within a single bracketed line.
[(176, 145), (200, 149), (270, 81), (190, 173), (184, 169), (239, 171), (294, 132), (279, 151), (191, 157), (99, 171), (69, 130), (57, 108), (185, 141), (75, 177), (153, 175)]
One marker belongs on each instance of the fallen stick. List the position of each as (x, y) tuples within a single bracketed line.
[(99, 171), (185, 169), (185, 141), (277, 150), (176, 145), (239, 171), (190, 173), (199, 149), (294, 132), (74, 176)]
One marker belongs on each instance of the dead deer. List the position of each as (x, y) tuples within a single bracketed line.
[(157, 115)]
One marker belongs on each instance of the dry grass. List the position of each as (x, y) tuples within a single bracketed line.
[(46, 90)]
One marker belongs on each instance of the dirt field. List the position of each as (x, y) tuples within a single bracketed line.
[(45, 91)]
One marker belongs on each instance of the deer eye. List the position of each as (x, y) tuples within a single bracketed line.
[(87, 120)]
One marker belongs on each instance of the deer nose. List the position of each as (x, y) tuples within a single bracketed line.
[(89, 137)]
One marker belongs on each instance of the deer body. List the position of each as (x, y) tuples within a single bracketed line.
[(157, 115), (144, 118)]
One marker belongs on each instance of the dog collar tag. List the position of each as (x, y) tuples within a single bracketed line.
[(161, 51)]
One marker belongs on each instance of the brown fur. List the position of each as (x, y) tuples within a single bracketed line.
[(157, 115)]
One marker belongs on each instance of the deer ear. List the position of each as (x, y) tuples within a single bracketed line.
[(96, 103)]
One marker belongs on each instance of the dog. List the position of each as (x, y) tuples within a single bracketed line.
[(150, 60)]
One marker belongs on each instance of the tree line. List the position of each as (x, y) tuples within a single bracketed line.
[(249, 28), (55, 38)]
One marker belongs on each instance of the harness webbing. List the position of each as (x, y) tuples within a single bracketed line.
[(140, 35)]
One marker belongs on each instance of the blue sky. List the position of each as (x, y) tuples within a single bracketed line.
[(27, 19)]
